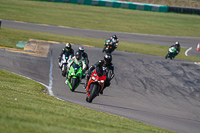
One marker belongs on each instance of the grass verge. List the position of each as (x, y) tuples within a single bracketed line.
[(25, 109), (101, 18), (10, 37)]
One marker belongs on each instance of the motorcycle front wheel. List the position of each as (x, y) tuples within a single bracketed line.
[(74, 82), (93, 92), (167, 56), (64, 71)]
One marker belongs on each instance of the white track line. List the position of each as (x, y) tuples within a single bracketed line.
[(50, 74), (187, 51), (197, 63)]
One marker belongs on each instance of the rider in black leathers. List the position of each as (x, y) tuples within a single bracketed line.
[(85, 56), (68, 48), (107, 66), (113, 40)]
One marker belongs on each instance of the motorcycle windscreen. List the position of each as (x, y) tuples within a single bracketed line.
[(99, 71)]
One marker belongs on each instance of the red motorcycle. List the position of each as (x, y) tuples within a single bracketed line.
[(95, 84)]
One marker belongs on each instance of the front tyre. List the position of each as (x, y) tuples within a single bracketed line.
[(64, 71), (167, 56), (74, 82), (93, 92)]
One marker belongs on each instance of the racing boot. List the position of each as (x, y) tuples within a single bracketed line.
[(103, 49), (85, 86), (102, 91), (66, 82)]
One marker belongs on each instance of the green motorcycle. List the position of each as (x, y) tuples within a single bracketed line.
[(171, 53), (74, 77)]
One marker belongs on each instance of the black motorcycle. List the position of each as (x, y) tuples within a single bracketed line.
[(109, 47)]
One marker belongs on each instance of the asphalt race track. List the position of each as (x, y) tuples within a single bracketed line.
[(150, 89)]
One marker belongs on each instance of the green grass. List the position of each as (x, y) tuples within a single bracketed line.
[(10, 37), (101, 18), (25, 109)]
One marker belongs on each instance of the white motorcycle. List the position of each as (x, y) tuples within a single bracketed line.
[(63, 63)]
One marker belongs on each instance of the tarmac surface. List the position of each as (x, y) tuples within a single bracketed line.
[(150, 89)]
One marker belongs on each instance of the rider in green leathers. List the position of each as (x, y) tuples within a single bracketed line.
[(76, 59)]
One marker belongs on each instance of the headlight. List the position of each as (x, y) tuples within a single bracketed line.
[(93, 78), (72, 73), (101, 81)]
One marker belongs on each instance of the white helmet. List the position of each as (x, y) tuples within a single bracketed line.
[(68, 45)]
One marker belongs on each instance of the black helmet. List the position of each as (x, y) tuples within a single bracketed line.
[(114, 39), (68, 46), (107, 58), (81, 48), (78, 55)]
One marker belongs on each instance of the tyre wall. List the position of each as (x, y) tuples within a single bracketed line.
[(117, 4), (184, 10), (131, 5)]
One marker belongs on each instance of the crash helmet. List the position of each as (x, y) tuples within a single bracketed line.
[(81, 48), (107, 58), (114, 39), (78, 55), (68, 46), (177, 45)]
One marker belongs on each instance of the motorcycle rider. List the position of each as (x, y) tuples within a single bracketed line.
[(107, 67), (68, 48), (177, 47), (85, 56), (113, 40), (77, 59)]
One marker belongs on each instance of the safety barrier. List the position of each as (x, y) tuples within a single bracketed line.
[(184, 10), (117, 4), (131, 5)]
